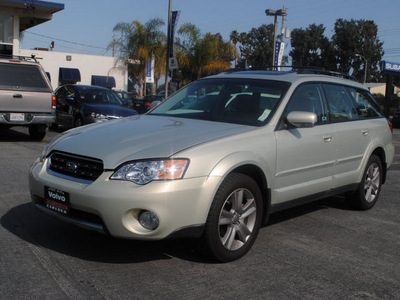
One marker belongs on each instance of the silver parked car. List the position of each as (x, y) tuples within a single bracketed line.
[(215, 159), (26, 96)]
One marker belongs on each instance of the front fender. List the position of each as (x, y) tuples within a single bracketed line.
[(240, 159)]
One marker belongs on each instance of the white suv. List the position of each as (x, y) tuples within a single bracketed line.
[(26, 96), (216, 158)]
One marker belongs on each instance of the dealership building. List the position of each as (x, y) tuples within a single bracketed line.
[(19, 15)]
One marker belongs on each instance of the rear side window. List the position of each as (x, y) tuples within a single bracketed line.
[(340, 105), (365, 103), (22, 77)]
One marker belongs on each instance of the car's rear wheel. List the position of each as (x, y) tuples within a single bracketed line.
[(369, 189), (234, 218), (37, 132)]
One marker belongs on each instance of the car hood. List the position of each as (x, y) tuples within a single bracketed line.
[(141, 137), (108, 109)]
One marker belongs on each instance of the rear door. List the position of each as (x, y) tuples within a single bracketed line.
[(352, 134), (24, 88)]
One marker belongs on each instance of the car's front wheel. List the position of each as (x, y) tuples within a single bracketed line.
[(234, 218)]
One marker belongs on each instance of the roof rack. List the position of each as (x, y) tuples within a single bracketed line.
[(21, 57), (298, 70)]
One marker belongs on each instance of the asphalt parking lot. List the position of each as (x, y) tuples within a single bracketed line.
[(323, 250)]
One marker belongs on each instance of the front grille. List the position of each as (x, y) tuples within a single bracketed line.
[(76, 167)]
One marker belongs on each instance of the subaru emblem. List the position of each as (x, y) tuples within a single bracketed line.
[(71, 166)]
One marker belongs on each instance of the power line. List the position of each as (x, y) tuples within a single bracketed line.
[(65, 41)]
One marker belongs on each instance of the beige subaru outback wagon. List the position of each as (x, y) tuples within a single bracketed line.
[(216, 158)]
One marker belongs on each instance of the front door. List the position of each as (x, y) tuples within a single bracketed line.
[(305, 156)]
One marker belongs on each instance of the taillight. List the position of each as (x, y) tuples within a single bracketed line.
[(390, 125), (53, 102), (148, 104)]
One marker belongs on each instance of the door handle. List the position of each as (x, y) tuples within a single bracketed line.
[(17, 96), (327, 138), (365, 132)]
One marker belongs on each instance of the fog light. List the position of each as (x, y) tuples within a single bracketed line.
[(148, 220)]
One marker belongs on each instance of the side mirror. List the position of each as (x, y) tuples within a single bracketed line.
[(301, 119)]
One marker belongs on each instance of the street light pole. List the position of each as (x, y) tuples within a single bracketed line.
[(282, 13), (365, 66)]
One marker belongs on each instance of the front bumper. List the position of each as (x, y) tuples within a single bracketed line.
[(113, 206)]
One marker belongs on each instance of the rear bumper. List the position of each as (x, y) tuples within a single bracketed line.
[(29, 119)]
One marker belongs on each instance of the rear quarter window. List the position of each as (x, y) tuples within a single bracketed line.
[(22, 77), (365, 103), (341, 106)]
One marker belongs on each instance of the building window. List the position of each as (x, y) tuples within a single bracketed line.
[(6, 29)]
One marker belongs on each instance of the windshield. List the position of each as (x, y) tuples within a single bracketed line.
[(239, 101), (101, 96)]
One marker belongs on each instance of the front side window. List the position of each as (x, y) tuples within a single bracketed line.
[(240, 101), (365, 103), (308, 98), (100, 96), (340, 104)]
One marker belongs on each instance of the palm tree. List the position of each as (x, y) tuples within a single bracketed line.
[(139, 43), (200, 55), (234, 38)]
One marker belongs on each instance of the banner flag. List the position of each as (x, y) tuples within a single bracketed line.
[(150, 71), (172, 59), (279, 49)]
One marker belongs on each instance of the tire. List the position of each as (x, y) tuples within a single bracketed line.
[(370, 187), (37, 132), (78, 121), (233, 226)]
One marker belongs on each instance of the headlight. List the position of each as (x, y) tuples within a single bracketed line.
[(143, 172), (99, 116)]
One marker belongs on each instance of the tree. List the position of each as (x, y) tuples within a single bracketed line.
[(256, 46), (311, 48), (139, 43), (358, 37)]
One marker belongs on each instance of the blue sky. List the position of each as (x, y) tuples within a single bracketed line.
[(86, 26)]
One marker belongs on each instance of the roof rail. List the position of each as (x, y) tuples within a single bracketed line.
[(298, 70), (21, 57), (322, 71)]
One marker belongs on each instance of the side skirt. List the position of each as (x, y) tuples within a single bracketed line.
[(315, 197)]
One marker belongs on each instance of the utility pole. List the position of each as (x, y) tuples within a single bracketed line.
[(168, 46)]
